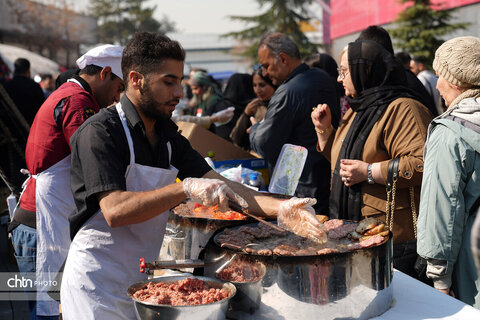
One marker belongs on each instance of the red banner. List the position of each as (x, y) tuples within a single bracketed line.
[(352, 16)]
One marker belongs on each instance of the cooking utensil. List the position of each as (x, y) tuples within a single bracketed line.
[(236, 207), (216, 310), (148, 267)]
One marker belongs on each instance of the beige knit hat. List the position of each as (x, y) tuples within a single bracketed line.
[(458, 61)]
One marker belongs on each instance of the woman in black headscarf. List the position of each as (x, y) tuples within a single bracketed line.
[(386, 121), (264, 89)]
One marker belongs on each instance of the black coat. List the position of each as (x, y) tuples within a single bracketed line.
[(27, 95), (423, 96), (288, 120)]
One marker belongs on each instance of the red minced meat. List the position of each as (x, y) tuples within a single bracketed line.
[(189, 291)]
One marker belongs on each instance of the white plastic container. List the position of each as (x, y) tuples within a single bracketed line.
[(288, 169)]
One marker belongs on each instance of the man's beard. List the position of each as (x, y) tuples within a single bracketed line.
[(148, 105)]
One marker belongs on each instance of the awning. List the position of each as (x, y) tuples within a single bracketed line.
[(38, 63)]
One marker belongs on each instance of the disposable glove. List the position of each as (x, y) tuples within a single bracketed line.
[(298, 216), (222, 117), (211, 192)]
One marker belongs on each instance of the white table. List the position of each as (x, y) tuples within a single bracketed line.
[(415, 300), (412, 300)]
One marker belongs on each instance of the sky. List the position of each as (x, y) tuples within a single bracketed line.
[(206, 16), (199, 16)]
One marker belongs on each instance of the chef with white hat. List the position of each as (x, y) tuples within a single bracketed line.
[(40, 227)]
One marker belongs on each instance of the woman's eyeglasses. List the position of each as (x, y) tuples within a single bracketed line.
[(342, 72)]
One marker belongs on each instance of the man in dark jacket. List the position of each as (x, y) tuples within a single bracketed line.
[(25, 93), (288, 116)]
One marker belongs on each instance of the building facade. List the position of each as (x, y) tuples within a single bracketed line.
[(348, 18), (218, 55)]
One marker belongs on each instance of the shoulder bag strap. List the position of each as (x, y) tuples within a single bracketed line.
[(391, 186), (392, 177)]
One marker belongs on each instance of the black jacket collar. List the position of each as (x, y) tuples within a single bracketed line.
[(84, 83)]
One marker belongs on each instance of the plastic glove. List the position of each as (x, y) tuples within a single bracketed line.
[(211, 192), (298, 216), (222, 117)]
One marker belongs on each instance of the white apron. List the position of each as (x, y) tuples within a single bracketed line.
[(103, 261), (54, 203)]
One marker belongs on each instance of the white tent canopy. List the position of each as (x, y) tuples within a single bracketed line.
[(38, 63)]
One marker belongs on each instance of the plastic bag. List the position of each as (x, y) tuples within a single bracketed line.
[(211, 192), (298, 216)]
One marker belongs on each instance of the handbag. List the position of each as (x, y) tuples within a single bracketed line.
[(405, 257)]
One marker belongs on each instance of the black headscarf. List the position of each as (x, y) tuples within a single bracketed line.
[(378, 79), (239, 91)]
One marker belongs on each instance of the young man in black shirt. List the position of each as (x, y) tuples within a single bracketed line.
[(124, 163)]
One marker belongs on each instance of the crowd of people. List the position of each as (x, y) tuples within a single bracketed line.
[(103, 154)]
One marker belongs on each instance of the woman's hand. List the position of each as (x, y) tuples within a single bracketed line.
[(321, 117), (252, 107), (447, 291), (253, 121), (353, 171)]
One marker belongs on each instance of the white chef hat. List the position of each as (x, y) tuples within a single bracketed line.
[(106, 55)]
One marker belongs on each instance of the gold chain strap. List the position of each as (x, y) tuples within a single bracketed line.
[(414, 211), (390, 207), (387, 209)]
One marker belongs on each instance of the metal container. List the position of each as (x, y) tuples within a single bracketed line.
[(149, 311), (354, 284), (249, 293)]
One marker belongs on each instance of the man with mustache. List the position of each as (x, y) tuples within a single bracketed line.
[(124, 164)]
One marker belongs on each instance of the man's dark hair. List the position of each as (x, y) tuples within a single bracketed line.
[(278, 42), (45, 76), (64, 76), (22, 66), (146, 51), (323, 61), (404, 58), (92, 70), (379, 35), (420, 59)]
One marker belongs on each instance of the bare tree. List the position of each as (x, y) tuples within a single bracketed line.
[(48, 26)]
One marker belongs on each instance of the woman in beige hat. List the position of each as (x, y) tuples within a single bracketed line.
[(451, 178)]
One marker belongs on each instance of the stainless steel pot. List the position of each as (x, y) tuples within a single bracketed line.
[(249, 293), (354, 284), (149, 311)]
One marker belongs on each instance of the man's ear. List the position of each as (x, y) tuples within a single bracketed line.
[(135, 79), (105, 73), (283, 57)]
